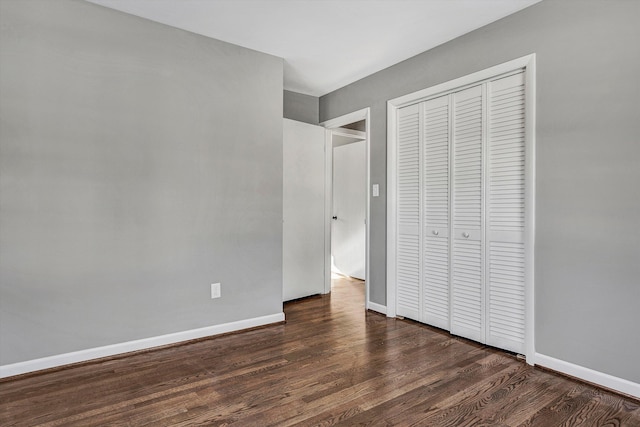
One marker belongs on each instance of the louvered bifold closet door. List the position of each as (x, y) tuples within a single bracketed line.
[(436, 212), (505, 220), (467, 281), (408, 265)]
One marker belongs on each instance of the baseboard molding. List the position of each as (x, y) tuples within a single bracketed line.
[(129, 346), (377, 307), (605, 380)]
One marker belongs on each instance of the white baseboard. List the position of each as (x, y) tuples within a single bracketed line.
[(129, 346), (586, 374), (377, 307)]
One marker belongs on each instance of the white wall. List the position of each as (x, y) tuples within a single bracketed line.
[(139, 164)]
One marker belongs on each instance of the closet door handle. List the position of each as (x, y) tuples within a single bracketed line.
[(465, 235), (435, 232)]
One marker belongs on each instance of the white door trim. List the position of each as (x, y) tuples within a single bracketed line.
[(526, 62), (337, 122)]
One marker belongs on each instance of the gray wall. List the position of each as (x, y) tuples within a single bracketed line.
[(139, 164), (587, 275), (301, 107)]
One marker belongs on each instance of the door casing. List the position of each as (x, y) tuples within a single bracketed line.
[(528, 63)]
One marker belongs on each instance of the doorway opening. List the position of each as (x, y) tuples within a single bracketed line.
[(347, 199), (348, 231)]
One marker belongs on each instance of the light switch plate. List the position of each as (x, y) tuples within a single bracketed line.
[(215, 290), (376, 190)]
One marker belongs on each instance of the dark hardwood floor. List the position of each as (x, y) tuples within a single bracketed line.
[(330, 364)]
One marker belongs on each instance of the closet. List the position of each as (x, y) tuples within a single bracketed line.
[(460, 169)]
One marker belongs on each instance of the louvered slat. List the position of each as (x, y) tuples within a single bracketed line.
[(408, 213), (506, 149), (505, 213), (408, 276), (466, 306), (506, 303), (467, 290), (436, 212)]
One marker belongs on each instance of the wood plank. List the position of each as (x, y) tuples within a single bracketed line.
[(331, 363)]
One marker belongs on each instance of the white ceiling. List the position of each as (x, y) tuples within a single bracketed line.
[(326, 44)]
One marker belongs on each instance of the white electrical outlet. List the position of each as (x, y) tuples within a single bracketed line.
[(215, 290)]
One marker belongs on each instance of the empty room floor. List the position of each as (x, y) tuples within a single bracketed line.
[(332, 363)]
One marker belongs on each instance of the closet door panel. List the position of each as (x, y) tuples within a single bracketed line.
[(408, 299), (505, 213), (467, 281), (436, 138)]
